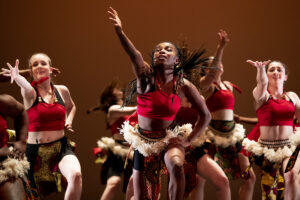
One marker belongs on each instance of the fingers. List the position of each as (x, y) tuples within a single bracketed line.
[(9, 66), (17, 64), (250, 62)]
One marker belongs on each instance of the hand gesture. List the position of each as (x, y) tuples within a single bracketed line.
[(13, 72), (18, 151), (69, 127), (258, 64), (113, 16), (223, 38)]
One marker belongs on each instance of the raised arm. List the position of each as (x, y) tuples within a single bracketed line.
[(27, 90), (260, 92), (216, 70), (70, 106), (198, 103), (139, 65)]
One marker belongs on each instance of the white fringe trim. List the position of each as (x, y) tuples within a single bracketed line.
[(199, 141), (229, 138), (13, 168), (270, 154), (147, 148), (108, 143)]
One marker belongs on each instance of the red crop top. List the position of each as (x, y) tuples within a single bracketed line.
[(47, 117), (158, 104), (3, 132), (221, 99), (276, 112), (118, 124)]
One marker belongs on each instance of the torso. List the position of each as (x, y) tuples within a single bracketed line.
[(276, 130), (46, 136), (220, 114)]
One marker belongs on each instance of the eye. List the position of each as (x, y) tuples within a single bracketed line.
[(43, 63), (35, 64)]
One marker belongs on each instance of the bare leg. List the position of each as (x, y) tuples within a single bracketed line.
[(129, 190), (12, 190), (138, 184), (112, 186), (70, 168), (247, 187), (211, 171), (291, 180), (198, 191), (174, 159)]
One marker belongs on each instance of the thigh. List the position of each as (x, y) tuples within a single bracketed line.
[(12, 190), (209, 169), (68, 165)]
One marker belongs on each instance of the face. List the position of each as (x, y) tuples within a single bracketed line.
[(118, 93), (165, 54), (276, 73), (40, 66)]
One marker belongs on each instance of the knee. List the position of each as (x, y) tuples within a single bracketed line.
[(252, 178), (221, 182), (291, 177), (76, 177), (176, 168), (113, 182)]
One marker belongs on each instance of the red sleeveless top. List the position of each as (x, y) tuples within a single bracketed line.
[(118, 124), (158, 105), (221, 99), (3, 133), (276, 112), (46, 117)]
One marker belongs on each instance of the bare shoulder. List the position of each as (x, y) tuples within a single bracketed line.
[(294, 97), (228, 84), (62, 89)]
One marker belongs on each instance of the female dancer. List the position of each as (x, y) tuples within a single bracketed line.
[(277, 148), (13, 165), (158, 102), (115, 151), (223, 132), (50, 110)]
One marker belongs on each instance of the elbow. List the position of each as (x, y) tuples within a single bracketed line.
[(206, 117)]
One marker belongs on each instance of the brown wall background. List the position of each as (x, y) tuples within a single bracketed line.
[(81, 41)]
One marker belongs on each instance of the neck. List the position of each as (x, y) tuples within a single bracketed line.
[(164, 75), (45, 85), (276, 90), (120, 102)]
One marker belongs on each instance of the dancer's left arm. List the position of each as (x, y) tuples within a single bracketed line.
[(70, 106), (198, 103)]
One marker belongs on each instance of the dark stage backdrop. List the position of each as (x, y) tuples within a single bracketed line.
[(81, 41)]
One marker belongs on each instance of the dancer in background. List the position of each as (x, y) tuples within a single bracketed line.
[(277, 148), (225, 135), (112, 151), (160, 88), (50, 110), (13, 164)]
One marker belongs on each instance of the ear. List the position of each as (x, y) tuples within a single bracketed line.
[(285, 77), (51, 70), (177, 61)]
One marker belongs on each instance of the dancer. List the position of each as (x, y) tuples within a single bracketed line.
[(159, 89), (225, 135), (13, 164), (112, 151), (50, 110), (277, 148)]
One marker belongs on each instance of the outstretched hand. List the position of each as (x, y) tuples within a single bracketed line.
[(223, 38), (114, 17), (258, 64), (55, 71), (12, 72)]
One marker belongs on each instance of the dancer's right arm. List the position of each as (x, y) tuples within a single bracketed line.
[(27, 90), (140, 66), (216, 71), (260, 92)]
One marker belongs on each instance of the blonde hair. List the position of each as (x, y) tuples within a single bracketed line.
[(29, 61)]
